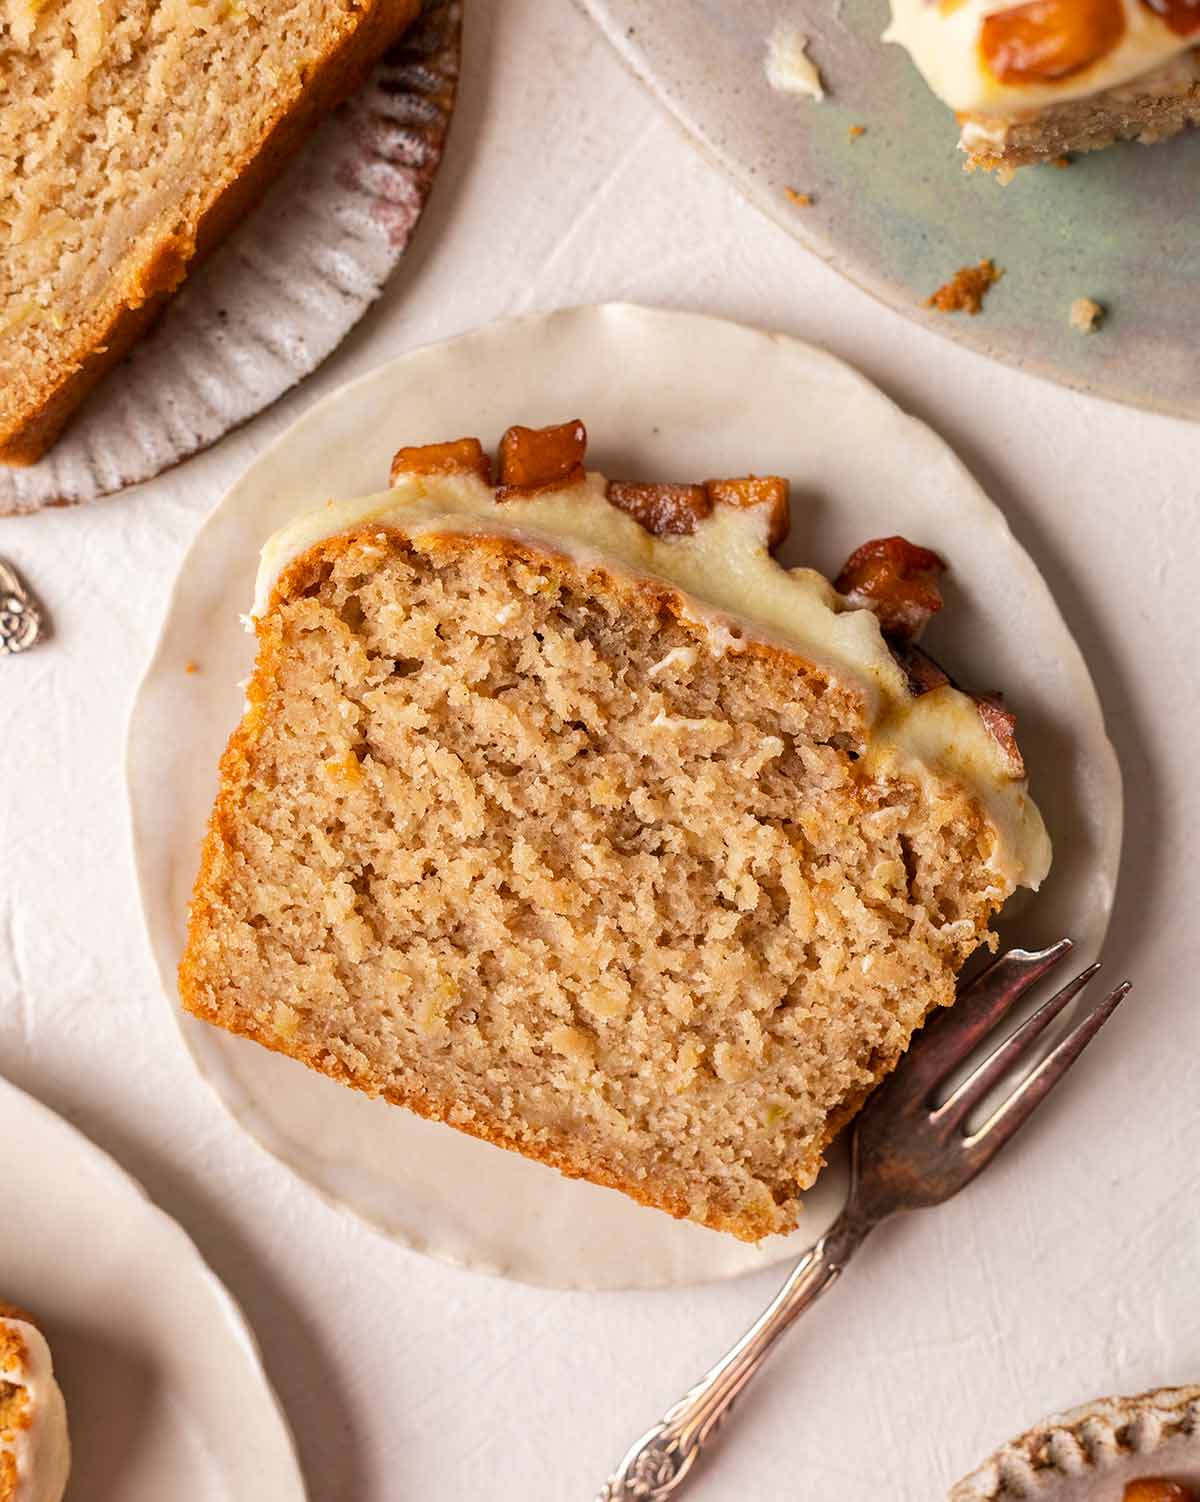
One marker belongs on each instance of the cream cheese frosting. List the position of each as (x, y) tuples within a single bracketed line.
[(944, 38), (735, 588), (790, 70), (37, 1444)]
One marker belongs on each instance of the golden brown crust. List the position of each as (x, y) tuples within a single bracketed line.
[(236, 771), (109, 337)]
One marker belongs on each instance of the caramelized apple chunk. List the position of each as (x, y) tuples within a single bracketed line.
[(665, 510), (897, 580), (922, 672), (1002, 726), (461, 456), (1183, 17), (1044, 40), (1152, 1489), (752, 491), (533, 459)]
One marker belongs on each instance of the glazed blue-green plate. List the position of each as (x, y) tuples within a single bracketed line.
[(894, 211)]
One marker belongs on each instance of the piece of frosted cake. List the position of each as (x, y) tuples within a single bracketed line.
[(1036, 81), (35, 1452), (563, 813)]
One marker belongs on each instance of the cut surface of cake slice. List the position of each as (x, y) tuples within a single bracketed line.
[(35, 1452), (1036, 81), (135, 136), (563, 813)]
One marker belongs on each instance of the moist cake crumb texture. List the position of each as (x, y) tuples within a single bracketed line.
[(1086, 315), (508, 839)]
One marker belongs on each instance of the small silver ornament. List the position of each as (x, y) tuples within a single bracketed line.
[(20, 618)]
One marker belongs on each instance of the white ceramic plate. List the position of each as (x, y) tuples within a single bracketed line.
[(1091, 1453), (166, 1396), (280, 294), (667, 395)]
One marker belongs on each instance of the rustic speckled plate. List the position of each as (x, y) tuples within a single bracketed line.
[(281, 293), (895, 213), (1091, 1453)]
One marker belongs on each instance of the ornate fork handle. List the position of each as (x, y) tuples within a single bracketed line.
[(658, 1464), (908, 1150), (20, 619)]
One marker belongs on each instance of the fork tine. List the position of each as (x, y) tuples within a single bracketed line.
[(997, 1064), (948, 1038), (983, 1145)]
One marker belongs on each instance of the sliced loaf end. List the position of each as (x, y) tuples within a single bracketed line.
[(135, 138)]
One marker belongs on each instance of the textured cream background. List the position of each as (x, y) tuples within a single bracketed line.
[(1070, 1269)]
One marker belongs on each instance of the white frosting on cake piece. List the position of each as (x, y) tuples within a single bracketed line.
[(736, 590), (943, 38), (36, 1445)]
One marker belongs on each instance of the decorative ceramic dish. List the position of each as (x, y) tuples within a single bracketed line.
[(663, 394), (892, 209), (280, 294), (166, 1395), (1091, 1453)]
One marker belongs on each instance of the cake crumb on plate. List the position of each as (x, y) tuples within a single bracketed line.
[(1086, 315), (966, 289), (790, 70)]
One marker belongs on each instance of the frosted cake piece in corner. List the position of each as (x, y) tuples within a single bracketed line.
[(1035, 81), (35, 1451)]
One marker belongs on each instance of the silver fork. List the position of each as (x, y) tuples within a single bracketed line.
[(907, 1150)]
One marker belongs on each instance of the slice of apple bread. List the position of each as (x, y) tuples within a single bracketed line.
[(561, 812)]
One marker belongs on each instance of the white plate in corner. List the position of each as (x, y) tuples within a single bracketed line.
[(665, 395), (166, 1395)]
